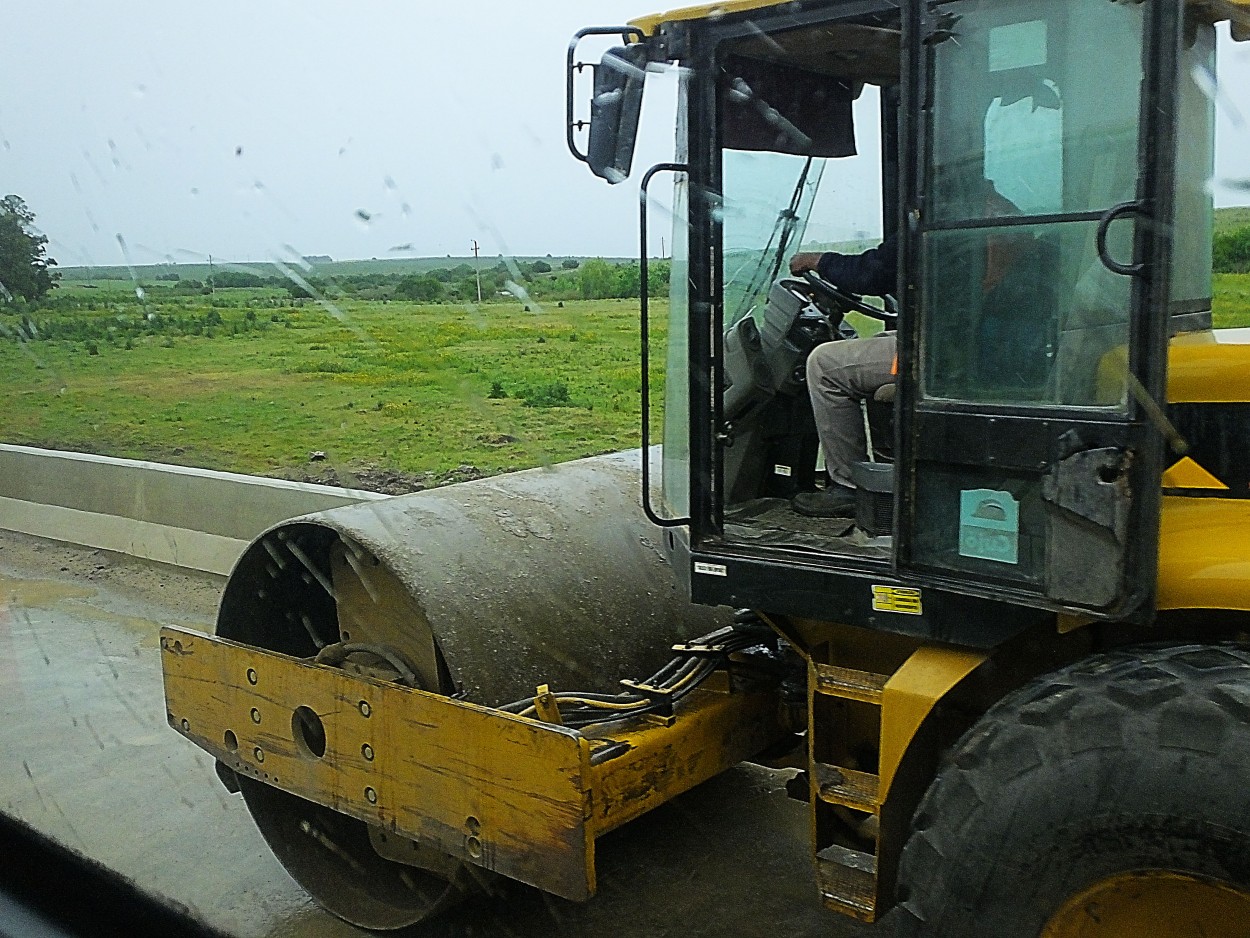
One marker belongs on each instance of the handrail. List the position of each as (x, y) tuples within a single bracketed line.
[(645, 333)]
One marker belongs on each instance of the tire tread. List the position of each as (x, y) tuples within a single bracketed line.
[(1099, 736)]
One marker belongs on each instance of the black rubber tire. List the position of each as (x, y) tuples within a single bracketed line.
[(1129, 760)]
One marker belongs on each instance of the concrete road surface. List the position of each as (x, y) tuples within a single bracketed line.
[(86, 758)]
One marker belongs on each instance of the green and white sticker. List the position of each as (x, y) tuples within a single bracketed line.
[(989, 525)]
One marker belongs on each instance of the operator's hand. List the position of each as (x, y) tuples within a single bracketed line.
[(803, 262)]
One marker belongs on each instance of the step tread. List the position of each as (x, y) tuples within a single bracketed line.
[(848, 880), (848, 787), (866, 686)]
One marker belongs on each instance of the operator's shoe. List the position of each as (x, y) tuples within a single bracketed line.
[(837, 501)]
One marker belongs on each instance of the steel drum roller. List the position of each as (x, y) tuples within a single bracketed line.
[(484, 589)]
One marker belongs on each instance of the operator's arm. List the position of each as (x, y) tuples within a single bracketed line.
[(874, 272)]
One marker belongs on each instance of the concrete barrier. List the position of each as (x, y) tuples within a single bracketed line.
[(194, 518)]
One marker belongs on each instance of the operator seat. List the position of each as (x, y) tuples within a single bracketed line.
[(874, 477)]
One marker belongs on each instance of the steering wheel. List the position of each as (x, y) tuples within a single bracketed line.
[(842, 301)]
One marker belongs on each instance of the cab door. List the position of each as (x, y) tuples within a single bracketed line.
[(1036, 274)]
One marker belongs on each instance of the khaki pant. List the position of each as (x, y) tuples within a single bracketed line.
[(839, 376)]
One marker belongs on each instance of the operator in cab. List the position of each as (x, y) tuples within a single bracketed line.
[(841, 374)]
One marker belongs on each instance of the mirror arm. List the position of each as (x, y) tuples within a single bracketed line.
[(572, 67)]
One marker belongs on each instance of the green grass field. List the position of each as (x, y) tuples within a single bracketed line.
[(256, 382), (1231, 306), (253, 381), (1230, 219)]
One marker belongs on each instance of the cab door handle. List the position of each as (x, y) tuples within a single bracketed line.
[(1100, 238)]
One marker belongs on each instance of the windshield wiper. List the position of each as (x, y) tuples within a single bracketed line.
[(768, 268)]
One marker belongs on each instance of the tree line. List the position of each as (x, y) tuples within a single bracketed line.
[(26, 274), (593, 279)]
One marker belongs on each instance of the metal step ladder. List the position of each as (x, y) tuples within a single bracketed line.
[(847, 877)]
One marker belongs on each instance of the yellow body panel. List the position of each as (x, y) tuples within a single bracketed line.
[(1187, 474), (1209, 367), (1204, 553), (1237, 11), (911, 694), (718, 729), (519, 796), (704, 11)]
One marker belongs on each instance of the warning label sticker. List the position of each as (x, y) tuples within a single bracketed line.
[(904, 600)]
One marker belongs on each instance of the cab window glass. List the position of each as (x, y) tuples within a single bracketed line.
[(1024, 150), (1032, 139)]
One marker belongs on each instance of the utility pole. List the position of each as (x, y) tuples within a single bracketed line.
[(477, 271), (211, 285)]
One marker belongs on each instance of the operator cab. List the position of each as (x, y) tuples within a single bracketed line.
[(1052, 218), (811, 168)]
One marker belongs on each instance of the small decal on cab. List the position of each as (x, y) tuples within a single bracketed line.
[(904, 600)]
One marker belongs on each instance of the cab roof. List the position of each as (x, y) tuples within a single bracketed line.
[(1236, 11), (650, 25)]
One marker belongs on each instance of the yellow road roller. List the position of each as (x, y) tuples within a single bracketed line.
[(1012, 671)]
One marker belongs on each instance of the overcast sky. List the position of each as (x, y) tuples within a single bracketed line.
[(237, 129)]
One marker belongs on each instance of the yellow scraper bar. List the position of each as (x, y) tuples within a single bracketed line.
[(489, 788), (519, 796)]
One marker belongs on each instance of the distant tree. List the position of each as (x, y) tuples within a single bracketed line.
[(598, 279), (1231, 253), (24, 261), (422, 289), (237, 278), (658, 274), (298, 292), (540, 267), (628, 280), (570, 263)]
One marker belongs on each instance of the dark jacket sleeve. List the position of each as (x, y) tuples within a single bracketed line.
[(874, 272)]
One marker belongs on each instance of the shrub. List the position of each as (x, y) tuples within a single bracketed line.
[(237, 278), (1231, 254), (424, 289), (554, 394)]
